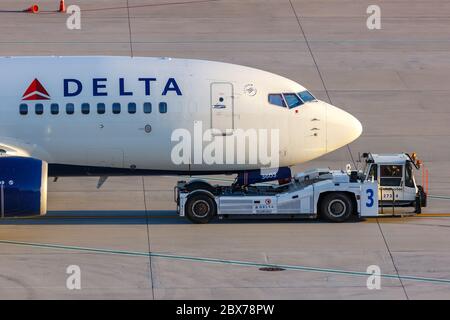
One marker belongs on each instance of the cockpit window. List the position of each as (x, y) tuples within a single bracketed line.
[(306, 96), (276, 99), (292, 100)]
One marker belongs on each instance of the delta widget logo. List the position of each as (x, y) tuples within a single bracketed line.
[(36, 91)]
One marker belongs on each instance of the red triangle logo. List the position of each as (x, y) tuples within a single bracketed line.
[(36, 91)]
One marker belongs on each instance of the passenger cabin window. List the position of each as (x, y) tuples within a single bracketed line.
[(277, 100), (391, 175), (101, 108), (70, 108), (292, 100), (39, 108), (306, 96), (85, 108), (132, 107), (116, 108), (54, 108), (23, 109), (147, 107), (162, 107)]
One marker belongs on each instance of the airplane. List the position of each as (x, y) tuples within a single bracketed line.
[(110, 115)]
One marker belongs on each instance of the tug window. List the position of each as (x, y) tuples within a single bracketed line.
[(132, 107), (70, 108), (147, 107), (292, 100), (39, 108), (409, 180), (54, 108), (277, 99), (391, 175), (85, 108), (163, 107), (23, 109), (101, 108), (373, 173), (116, 108)]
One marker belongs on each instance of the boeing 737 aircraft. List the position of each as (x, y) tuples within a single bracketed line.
[(106, 116)]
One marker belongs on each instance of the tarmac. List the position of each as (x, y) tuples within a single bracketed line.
[(126, 237)]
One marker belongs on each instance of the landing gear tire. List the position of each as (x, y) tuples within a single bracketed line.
[(200, 208), (336, 207)]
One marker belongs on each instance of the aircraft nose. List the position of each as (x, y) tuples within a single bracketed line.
[(342, 128)]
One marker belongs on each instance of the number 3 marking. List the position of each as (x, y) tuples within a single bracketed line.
[(370, 202)]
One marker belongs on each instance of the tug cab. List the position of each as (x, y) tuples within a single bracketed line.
[(394, 174)]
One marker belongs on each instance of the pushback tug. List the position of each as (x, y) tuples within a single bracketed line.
[(387, 180)]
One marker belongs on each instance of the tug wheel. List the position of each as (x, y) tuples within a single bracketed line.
[(336, 207), (200, 208)]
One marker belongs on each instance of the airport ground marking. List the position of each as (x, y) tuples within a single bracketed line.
[(438, 197), (221, 261)]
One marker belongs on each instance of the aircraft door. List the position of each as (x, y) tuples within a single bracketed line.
[(222, 107)]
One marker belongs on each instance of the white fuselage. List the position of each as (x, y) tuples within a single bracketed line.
[(190, 88)]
